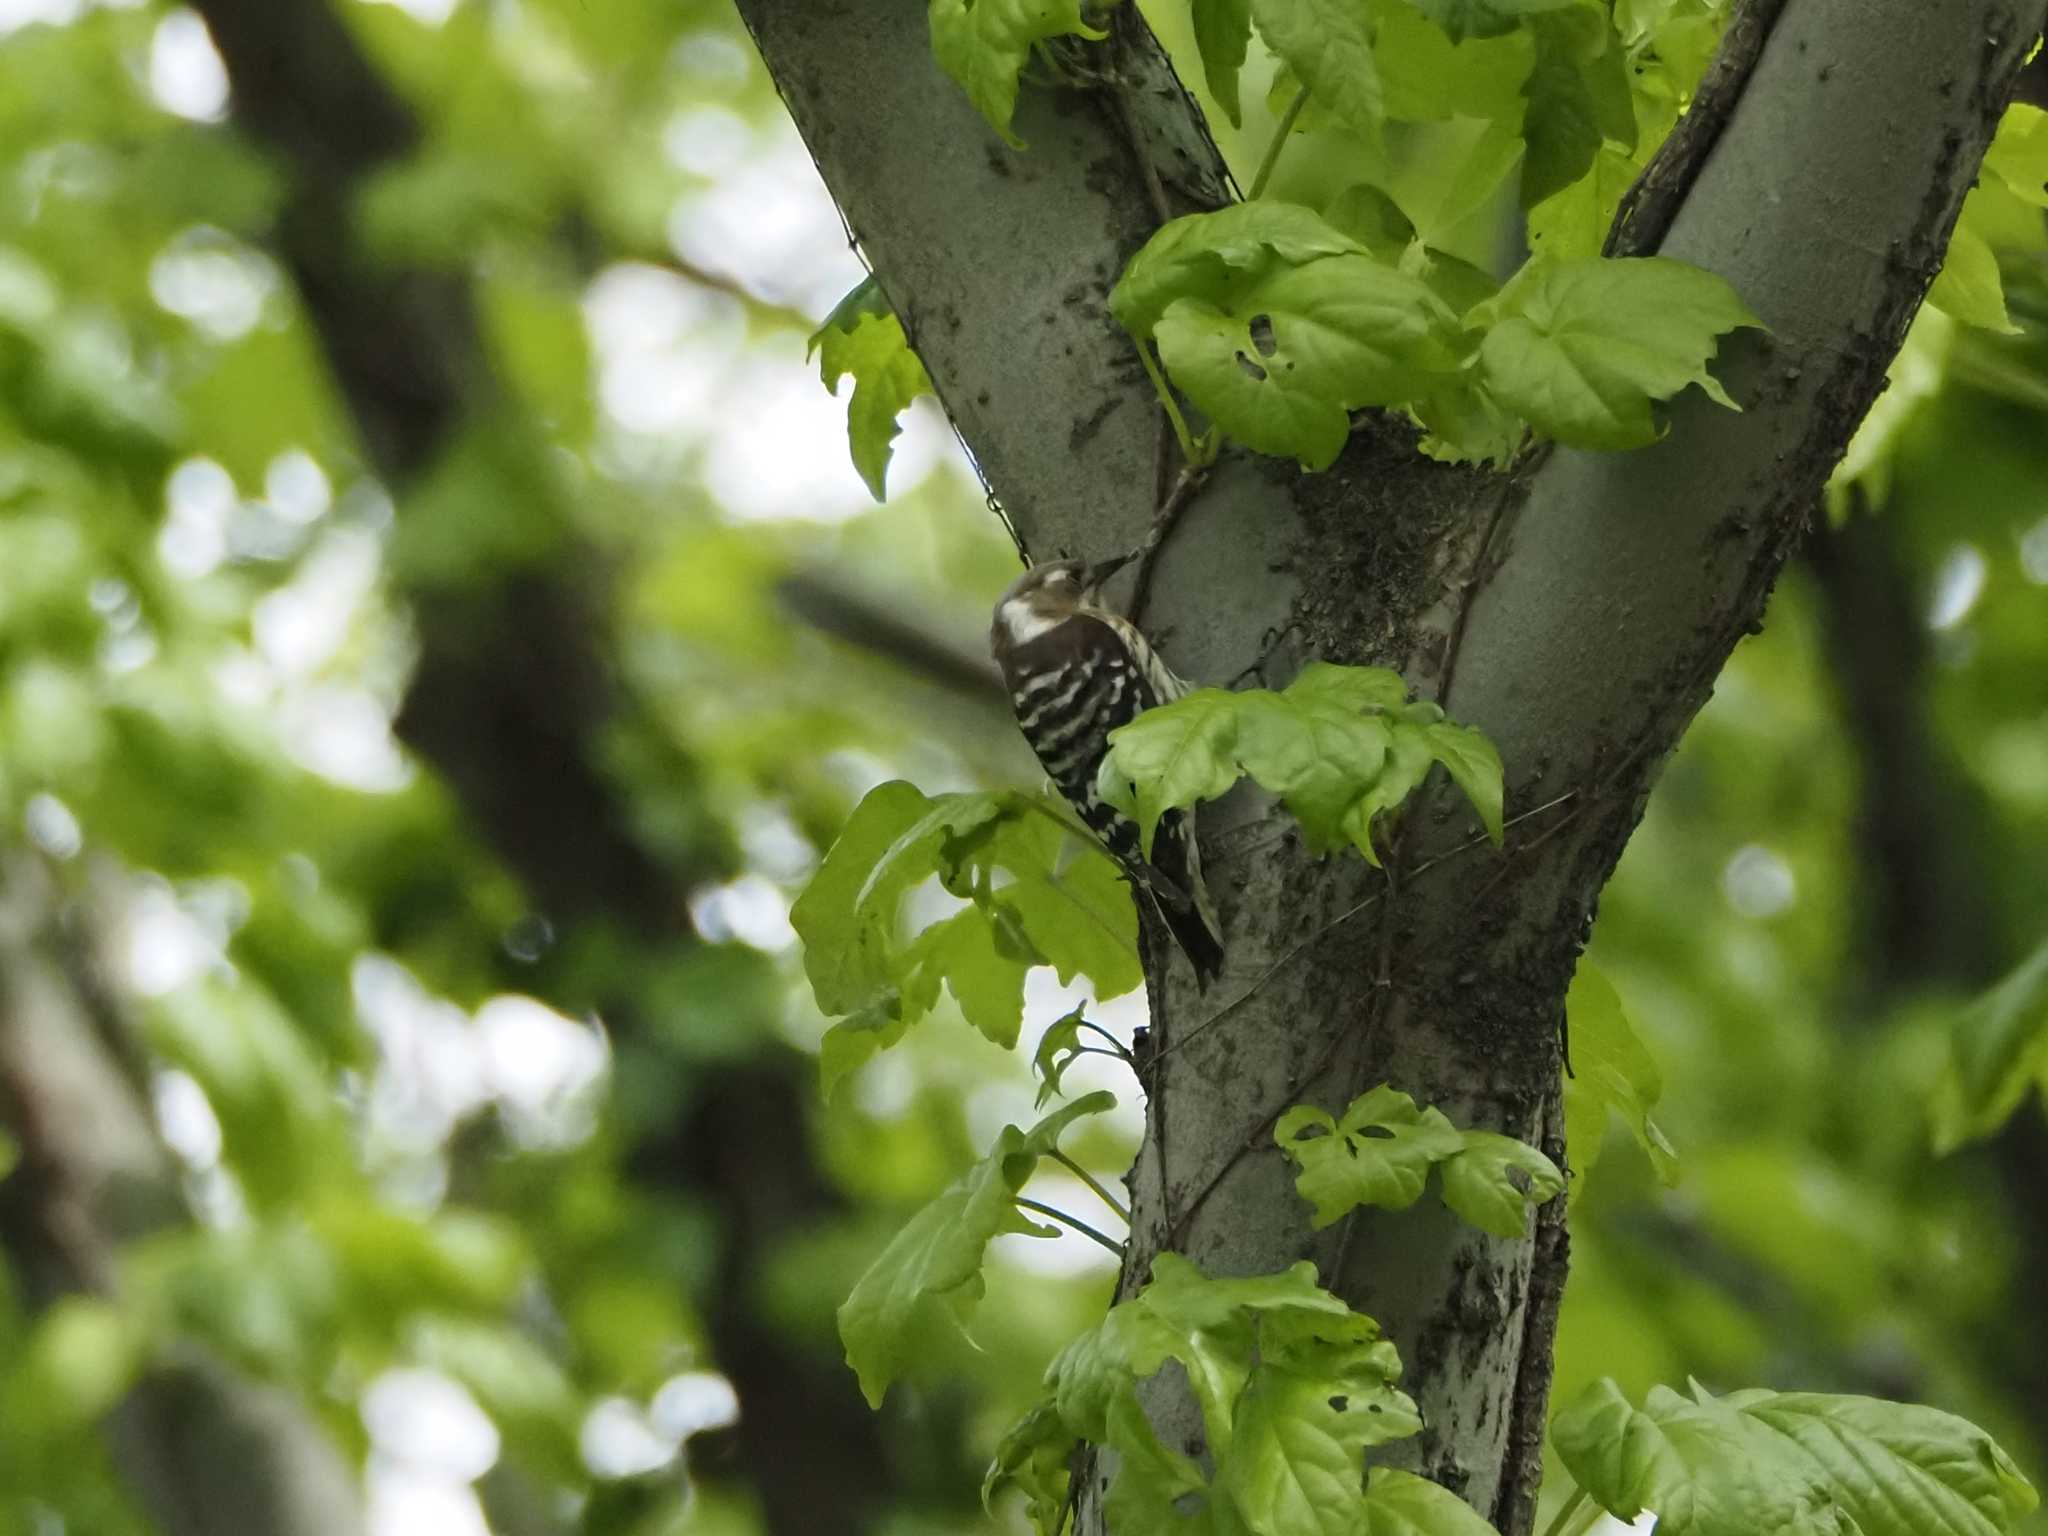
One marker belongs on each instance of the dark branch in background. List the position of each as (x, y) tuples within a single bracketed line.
[(835, 608), (204, 1450), (1925, 888), (512, 704)]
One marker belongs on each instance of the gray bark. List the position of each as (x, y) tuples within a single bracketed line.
[(1578, 616)]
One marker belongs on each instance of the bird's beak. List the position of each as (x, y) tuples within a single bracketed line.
[(1102, 570)]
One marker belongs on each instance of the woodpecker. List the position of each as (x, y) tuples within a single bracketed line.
[(1076, 671)]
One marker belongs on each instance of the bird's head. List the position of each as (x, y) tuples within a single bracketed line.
[(1049, 594)]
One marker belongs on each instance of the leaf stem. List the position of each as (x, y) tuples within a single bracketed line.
[(1073, 1222), (1280, 137), (1066, 1162), (1562, 1520), (1116, 1046), (1180, 424)]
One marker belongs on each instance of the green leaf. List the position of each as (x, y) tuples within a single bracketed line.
[(1321, 1393), (1474, 765), (1282, 364), (1380, 1153), (2019, 153), (1429, 79), (1484, 18), (847, 915), (1068, 899), (1560, 123), (1206, 255), (1035, 1457), (1176, 760), (1582, 348), (1969, 286), (1223, 29), (1338, 745), (1612, 1072), (1794, 1462), (1998, 1050), (1058, 1049), (1401, 1504), (984, 45), (1479, 1183), (887, 376), (1328, 45), (1157, 1488), (929, 1275), (984, 977)]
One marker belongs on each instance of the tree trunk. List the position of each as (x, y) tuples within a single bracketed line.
[(1577, 614)]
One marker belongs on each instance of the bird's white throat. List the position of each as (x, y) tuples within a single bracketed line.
[(1022, 625)]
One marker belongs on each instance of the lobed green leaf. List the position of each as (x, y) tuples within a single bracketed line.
[(1338, 745), (1793, 1462), (984, 44), (929, 1275), (1612, 1072), (1582, 348)]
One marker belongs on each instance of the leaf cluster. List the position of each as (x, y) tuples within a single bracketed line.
[(1381, 1150), (1037, 891), (1341, 746)]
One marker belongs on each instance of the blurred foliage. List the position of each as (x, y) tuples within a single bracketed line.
[(429, 1190)]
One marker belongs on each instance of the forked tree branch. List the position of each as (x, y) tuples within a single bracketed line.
[(1822, 176)]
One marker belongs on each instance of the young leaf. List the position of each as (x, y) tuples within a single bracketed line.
[(1068, 899), (1181, 756), (1479, 1184), (1155, 1484), (1998, 1050), (887, 376), (1205, 255), (1969, 286), (1612, 1072), (1338, 746), (1035, 1457), (1401, 1504), (1328, 45), (1284, 362), (847, 915), (1223, 29), (1380, 1153), (984, 44), (985, 976), (930, 1273), (1058, 1049), (1793, 1462), (1321, 1394), (1582, 348)]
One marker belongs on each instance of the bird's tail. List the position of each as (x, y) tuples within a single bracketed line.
[(1182, 899)]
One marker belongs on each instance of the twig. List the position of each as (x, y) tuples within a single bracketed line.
[(1116, 1047), (1051, 1213), (1281, 135), (1185, 485), (1561, 1521), (1653, 200), (1123, 1211)]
